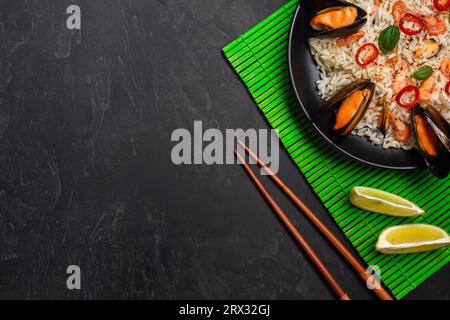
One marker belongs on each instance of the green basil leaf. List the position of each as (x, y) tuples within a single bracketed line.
[(389, 39), (423, 73)]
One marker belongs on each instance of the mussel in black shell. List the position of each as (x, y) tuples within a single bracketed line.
[(383, 121), (334, 18), (432, 134), (350, 105), (440, 126)]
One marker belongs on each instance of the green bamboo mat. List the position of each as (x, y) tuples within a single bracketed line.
[(260, 58)]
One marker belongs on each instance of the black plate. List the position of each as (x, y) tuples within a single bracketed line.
[(304, 75)]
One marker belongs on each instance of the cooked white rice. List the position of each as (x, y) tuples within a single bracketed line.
[(338, 68)]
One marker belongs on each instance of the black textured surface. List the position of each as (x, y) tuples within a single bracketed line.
[(85, 169)]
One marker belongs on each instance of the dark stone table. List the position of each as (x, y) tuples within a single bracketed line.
[(85, 171)]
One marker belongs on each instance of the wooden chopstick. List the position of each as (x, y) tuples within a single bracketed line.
[(295, 233), (363, 273)]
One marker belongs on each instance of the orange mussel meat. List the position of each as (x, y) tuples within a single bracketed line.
[(351, 106), (334, 18), (427, 138)]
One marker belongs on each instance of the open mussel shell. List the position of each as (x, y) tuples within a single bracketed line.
[(440, 126), (429, 49), (318, 7), (425, 124), (350, 105)]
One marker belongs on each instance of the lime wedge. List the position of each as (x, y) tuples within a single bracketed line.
[(383, 202), (411, 238)]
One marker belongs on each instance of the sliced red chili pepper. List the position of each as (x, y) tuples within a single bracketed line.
[(368, 53), (442, 5), (406, 90), (410, 18), (447, 88)]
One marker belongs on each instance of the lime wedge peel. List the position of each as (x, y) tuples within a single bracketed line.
[(378, 201), (411, 238)]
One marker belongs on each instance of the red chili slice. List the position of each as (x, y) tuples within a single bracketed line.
[(368, 57), (409, 17), (442, 5), (406, 90), (447, 88)]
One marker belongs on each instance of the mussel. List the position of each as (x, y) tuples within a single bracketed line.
[(440, 126), (430, 49), (383, 122), (334, 18), (350, 105), (432, 132)]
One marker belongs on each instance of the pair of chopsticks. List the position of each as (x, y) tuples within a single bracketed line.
[(363, 273)]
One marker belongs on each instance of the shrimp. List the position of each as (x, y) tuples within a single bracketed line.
[(350, 39), (399, 9), (401, 131), (434, 25), (445, 67), (427, 88), (400, 82)]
